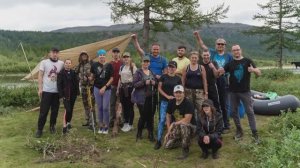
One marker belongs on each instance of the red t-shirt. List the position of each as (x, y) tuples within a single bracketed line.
[(116, 75)]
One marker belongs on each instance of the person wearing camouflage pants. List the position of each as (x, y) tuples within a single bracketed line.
[(83, 70), (180, 132)]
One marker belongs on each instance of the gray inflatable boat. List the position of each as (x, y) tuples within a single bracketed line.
[(264, 106)]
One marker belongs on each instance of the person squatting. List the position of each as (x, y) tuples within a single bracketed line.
[(192, 93)]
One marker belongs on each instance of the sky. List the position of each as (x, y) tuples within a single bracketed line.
[(47, 15)]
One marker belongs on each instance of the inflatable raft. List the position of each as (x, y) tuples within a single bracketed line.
[(264, 106)]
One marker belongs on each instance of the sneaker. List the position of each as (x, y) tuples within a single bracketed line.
[(69, 126), (100, 131), (38, 133), (128, 128), (157, 145), (105, 131), (125, 127), (65, 130), (52, 129), (239, 134), (256, 138)]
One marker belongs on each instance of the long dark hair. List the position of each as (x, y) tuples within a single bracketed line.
[(80, 61), (203, 115)]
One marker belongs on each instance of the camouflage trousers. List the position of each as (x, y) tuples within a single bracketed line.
[(197, 98), (85, 101), (179, 135)]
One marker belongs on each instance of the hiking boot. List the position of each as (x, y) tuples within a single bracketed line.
[(157, 145), (185, 153), (215, 155), (204, 155), (139, 134), (151, 136), (38, 133), (65, 130), (239, 134), (52, 129)]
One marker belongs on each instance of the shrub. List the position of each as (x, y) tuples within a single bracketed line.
[(276, 74), (20, 97)]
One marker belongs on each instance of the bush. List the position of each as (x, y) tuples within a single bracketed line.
[(277, 74), (281, 149), (19, 97)]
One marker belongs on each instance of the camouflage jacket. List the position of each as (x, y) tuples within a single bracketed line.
[(83, 71)]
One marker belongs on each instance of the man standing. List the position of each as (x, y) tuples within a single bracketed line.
[(116, 63), (180, 131), (48, 91), (181, 60), (158, 63), (221, 57), (240, 70)]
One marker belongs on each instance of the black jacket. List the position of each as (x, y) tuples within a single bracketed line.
[(67, 84), (211, 128)]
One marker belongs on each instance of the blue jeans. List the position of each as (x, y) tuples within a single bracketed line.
[(103, 102), (162, 120)]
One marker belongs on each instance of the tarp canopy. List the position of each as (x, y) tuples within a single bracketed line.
[(120, 42)]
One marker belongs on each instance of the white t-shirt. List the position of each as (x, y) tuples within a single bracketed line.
[(51, 69), (126, 75)]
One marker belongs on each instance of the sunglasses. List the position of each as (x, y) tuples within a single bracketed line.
[(146, 61), (205, 105), (125, 56), (170, 66), (222, 44)]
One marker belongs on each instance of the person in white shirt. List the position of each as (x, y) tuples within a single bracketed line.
[(48, 91)]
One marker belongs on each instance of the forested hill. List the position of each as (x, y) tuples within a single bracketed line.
[(38, 43)]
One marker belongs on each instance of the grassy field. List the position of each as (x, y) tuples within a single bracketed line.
[(122, 151)]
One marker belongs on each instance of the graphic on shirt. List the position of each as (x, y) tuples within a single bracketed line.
[(220, 60), (53, 74), (100, 73), (239, 73)]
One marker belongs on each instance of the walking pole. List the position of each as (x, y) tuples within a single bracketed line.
[(91, 107)]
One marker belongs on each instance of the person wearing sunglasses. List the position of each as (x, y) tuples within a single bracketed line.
[(219, 55), (209, 129)]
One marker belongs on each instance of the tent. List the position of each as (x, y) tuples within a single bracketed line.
[(121, 42)]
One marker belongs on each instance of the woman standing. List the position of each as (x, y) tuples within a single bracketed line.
[(194, 81), (209, 129), (102, 73), (144, 84), (67, 85), (166, 85), (125, 88)]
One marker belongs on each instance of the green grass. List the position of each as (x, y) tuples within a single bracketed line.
[(123, 150)]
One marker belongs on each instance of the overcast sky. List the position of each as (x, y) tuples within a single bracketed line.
[(47, 15)]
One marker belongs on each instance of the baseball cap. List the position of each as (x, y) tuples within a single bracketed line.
[(101, 52), (208, 102), (146, 58), (126, 54), (178, 88), (115, 50), (173, 64)]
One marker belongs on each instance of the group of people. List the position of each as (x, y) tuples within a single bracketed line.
[(193, 95)]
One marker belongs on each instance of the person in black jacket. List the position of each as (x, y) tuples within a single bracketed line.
[(209, 129), (68, 88)]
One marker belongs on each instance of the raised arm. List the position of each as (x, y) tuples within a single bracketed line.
[(199, 40), (137, 45), (205, 87)]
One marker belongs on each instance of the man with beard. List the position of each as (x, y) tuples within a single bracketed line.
[(181, 60)]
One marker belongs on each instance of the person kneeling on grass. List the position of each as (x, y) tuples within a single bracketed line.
[(182, 131), (209, 129), (68, 89)]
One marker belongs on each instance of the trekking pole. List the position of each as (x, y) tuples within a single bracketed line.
[(91, 108)]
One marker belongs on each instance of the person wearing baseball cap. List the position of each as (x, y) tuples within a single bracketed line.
[(166, 84), (181, 130), (209, 129), (102, 73), (116, 63)]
